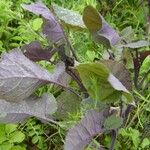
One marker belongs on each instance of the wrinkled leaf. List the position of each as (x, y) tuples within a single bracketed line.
[(41, 108), (81, 134), (102, 32), (92, 19), (69, 17), (137, 44), (67, 103), (35, 52), (100, 83), (113, 122), (20, 77), (51, 27)]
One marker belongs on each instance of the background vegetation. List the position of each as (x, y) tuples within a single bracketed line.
[(18, 27)]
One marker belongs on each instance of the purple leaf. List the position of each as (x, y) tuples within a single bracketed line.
[(35, 52), (100, 29), (51, 27), (107, 35), (81, 135), (32, 106), (120, 72), (20, 77)]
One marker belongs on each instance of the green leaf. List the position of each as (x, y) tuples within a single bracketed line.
[(2, 133), (113, 122), (92, 19), (16, 137), (69, 17), (102, 32), (35, 139), (37, 23), (18, 148), (9, 128), (68, 103), (100, 83), (145, 142), (6, 146), (145, 65)]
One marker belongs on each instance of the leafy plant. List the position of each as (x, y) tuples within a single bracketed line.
[(11, 138), (106, 82)]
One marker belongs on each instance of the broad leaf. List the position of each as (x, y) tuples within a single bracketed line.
[(100, 83), (137, 44), (20, 77), (81, 134), (102, 32), (67, 103), (51, 27), (41, 108), (107, 35), (113, 122), (69, 17), (92, 19), (35, 52), (88, 104), (120, 72)]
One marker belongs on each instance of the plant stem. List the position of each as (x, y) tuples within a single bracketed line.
[(114, 138)]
